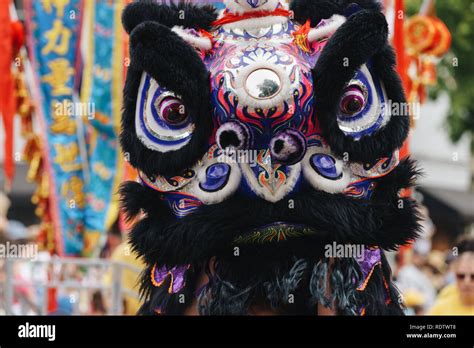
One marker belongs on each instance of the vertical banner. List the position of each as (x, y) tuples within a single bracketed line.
[(102, 86), (54, 28), (7, 88)]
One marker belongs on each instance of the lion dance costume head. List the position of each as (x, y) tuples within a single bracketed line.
[(265, 143)]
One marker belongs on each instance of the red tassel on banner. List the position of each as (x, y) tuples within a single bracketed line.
[(402, 67), (7, 95), (399, 40), (399, 45)]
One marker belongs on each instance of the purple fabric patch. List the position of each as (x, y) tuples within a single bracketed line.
[(372, 257), (177, 277)]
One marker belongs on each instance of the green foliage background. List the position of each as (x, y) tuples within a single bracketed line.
[(456, 70)]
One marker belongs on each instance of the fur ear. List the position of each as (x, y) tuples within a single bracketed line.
[(316, 10), (363, 35), (183, 14), (361, 39), (171, 61), (176, 66)]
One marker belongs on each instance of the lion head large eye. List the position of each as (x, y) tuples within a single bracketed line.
[(362, 95), (165, 122), (353, 100), (171, 110), (361, 109), (162, 121)]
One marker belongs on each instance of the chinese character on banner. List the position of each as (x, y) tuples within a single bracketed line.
[(54, 26)]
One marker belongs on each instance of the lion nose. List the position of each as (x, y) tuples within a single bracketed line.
[(234, 134), (288, 147)]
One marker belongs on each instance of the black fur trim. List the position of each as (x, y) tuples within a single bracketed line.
[(279, 292), (183, 14), (135, 198), (396, 306), (316, 10), (175, 65), (212, 229), (284, 285), (220, 297), (318, 285), (345, 275), (334, 285), (402, 177), (362, 37), (239, 283)]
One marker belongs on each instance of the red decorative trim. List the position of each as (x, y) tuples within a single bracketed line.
[(300, 37), (232, 17)]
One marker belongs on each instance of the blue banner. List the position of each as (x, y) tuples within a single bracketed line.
[(54, 27), (102, 88)]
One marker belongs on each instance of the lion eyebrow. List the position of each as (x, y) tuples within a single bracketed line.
[(182, 13), (193, 38), (327, 29)]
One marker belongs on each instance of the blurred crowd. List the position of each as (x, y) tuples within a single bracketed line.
[(436, 282), (83, 288)]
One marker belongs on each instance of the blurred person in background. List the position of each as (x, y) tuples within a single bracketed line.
[(412, 277), (458, 298), (114, 238), (15, 233), (97, 304), (414, 302), (11, 229), (132, 266), (3, 241), (437, 268), (4, 206)]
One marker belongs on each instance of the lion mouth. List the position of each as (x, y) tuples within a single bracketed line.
[(313, 217), (275, 232)]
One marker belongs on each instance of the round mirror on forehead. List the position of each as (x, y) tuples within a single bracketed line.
[(263, 84)]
